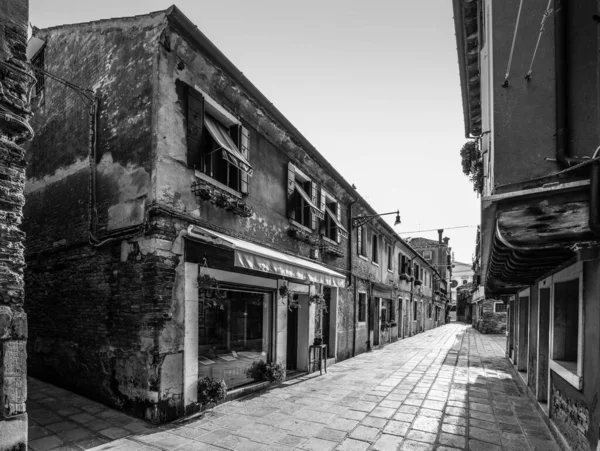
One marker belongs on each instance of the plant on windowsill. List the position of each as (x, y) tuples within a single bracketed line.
[(418, 282), (385, 326), (404, 277), (301, 234), (332, 249), (210, 391), (261, 371), (221, 198), (411, 278), (393, 324)]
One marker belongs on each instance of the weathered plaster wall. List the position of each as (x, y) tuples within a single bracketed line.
[(489, 322), (271, 149), (533, 338), (92, 56), (103, 320), (14, 16), (524, 112)]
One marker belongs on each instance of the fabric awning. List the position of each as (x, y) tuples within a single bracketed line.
[(313, 208), (230, 150), (260, 258), (343, 230)]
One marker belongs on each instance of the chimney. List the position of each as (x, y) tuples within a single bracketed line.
[(440, 232), (446, 241)]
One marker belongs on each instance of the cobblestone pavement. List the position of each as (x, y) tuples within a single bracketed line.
[(445, 389)]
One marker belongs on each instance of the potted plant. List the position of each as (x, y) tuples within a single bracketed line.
[(418, 282), (290, 296), (404, 277), (261, 371), (211, 391), (393, 324), (385, 325)]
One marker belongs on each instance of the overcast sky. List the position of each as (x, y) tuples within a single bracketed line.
[(373, 85)]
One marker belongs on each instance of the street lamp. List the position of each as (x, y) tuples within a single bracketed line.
[(361, 220)]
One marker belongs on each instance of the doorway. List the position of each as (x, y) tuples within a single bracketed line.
[(292, 340)]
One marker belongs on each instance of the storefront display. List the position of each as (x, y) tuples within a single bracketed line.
[(234, 330)]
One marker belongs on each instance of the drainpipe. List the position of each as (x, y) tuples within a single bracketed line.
[(594, 221), (562, 80), (352, 277)]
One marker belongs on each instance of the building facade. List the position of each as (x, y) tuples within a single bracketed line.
[(15, 85), (532, 112), (181, 227)]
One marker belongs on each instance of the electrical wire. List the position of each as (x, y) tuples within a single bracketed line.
[(441, 228), (512, 47), (544, 18)]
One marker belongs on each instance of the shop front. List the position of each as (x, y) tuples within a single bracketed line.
[(236, 313)]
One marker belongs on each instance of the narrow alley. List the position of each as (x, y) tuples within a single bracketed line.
[(450, 388)]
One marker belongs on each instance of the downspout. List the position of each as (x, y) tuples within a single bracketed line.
[(562, 81), (352, 277)]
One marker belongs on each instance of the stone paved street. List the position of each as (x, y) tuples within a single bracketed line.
[(445, 389)]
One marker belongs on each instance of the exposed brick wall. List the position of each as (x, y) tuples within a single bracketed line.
[(572, 418), (15, 82), (95, 322)]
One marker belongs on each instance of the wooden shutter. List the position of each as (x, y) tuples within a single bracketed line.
[(245, 151), (291, 190), (359, 233), (315, 200), (339, 217), (194, 127)]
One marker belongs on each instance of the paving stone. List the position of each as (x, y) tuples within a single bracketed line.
[(365, 433), (411, 445), (317, 444), (331, 434), (352, 445), (427, 424), (421, 436), (45, 443), (452, 440), (396, 428), (387, 442)]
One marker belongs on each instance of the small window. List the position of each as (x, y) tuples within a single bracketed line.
[(402, 264), (332, 224), (430, 310), (217, 144), (374, 248), (389, 260), (361, 241), (417, 271), (499, 307), (427, 255), (414, 310), (302, 198), (362, 304)]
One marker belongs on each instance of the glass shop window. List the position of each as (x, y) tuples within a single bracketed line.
[(232, 333)]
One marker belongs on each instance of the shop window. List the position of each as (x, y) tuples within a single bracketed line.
[(333, 227), (499, 307), (362, 307), (361, 241), (427, 255), (232, 333), (302, 198), (217, 144), (375, 248), (567, 325), (389, 258)]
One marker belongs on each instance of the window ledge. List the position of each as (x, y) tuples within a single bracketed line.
[(568, 371), (363, 257), (208, 179), (375, 263), (300, 226), (391, 271), (330, 241)]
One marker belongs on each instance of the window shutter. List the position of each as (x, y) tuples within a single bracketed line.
[(339, 217), (359, 233), (194, 126), (323, 199), (245, 151), (315, 199), (291, 179)]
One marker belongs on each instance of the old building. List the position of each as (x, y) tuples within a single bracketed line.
[(178, 220), (16, 81), (529, 85)]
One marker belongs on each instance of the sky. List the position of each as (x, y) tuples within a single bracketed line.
[(373, 85)]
